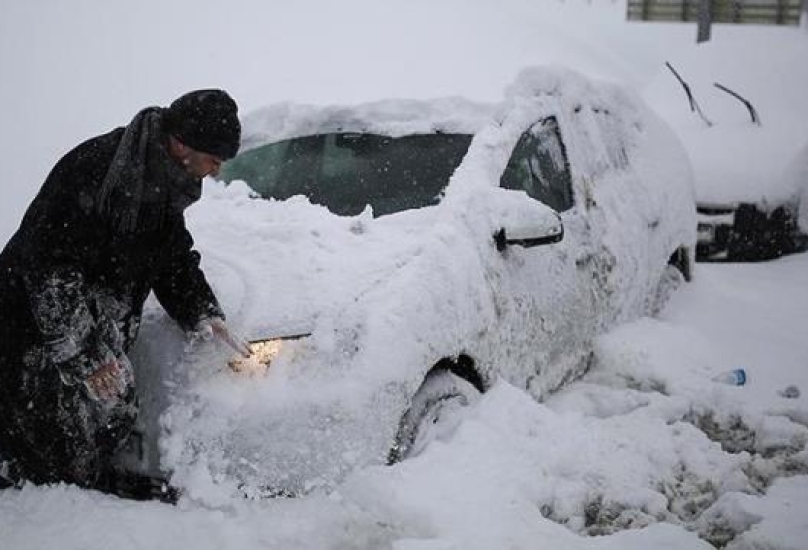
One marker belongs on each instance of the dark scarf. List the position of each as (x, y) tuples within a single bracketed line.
[(144, 184)]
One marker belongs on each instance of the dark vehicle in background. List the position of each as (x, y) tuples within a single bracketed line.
[(748, 231), (755, 230)]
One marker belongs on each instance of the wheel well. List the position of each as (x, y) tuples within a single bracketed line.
[(681, 260), (464, 367), (430, 393)]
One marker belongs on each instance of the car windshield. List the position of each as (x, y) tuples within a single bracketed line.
[(345, 172)]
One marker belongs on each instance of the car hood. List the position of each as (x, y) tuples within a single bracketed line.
[(278, 267)]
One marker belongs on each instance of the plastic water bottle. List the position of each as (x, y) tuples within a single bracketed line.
[(734, 377)]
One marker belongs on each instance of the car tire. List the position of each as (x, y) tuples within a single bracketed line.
[(435, 413), (670, 280)]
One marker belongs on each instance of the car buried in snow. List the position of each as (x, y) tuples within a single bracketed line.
[(424, 250)]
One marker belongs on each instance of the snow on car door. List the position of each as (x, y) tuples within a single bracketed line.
[(621, 210), (558, 282)]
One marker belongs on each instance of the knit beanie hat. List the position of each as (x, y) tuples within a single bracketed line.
[(205, 120)]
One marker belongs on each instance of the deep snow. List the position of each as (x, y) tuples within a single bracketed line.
[(645, 439)]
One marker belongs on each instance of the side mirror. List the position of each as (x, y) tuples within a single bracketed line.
[(548, 229)]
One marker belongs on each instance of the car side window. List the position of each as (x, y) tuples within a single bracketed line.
[(539, 166)]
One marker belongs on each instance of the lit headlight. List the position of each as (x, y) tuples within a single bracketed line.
[(262, 353)]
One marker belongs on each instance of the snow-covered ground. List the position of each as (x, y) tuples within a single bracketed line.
[(646, 449)]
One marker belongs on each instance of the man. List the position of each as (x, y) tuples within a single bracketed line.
[(106, 229)]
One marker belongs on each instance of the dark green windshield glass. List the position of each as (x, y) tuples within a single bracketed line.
[(347, 171)]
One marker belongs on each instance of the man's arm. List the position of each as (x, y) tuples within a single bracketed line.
[(181, 286)]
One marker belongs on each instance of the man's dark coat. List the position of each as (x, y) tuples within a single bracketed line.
[(72, 286)]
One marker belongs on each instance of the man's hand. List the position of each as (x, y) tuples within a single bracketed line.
[(216, 326), (106, 382)]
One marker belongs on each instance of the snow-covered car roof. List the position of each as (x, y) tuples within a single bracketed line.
[(391, 117)]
